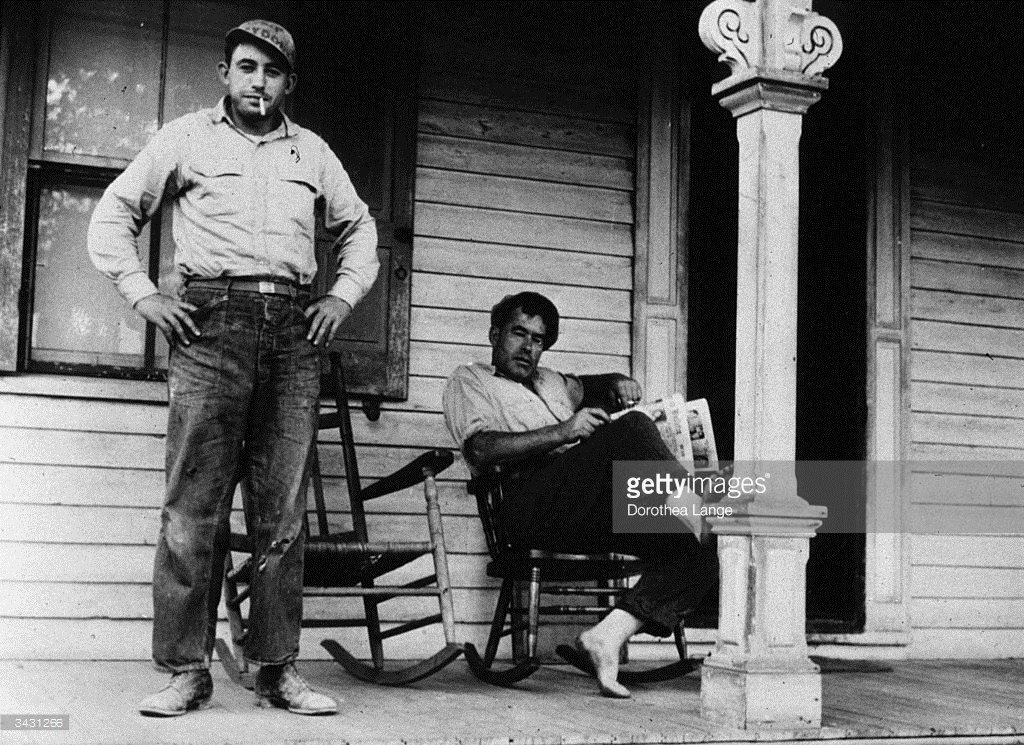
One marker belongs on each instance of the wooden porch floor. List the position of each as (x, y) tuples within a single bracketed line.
[(909, 701)]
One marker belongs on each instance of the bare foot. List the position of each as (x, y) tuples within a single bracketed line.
[(604, 656)]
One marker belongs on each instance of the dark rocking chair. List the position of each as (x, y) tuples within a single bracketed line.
[(549, 573), (349, 563)]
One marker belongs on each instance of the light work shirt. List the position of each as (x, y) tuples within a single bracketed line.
[(242, 206), (475, 400)]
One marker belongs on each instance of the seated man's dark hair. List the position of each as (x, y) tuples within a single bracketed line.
[(532, 304)]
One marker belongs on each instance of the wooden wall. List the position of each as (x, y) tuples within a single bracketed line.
[(525, 179), (966, 398), (966, 330)]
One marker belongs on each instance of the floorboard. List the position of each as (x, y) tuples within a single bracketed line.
[(941, 701)]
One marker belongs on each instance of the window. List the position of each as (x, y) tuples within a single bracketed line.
[(108, 75), (101, 80)]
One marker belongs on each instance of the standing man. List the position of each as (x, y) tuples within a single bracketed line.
[(244, 370), (557, 444)]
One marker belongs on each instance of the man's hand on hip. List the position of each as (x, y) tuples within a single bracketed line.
[(326, 315), (169, 315)]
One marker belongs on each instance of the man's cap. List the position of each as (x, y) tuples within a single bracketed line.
[(532, 304), (270, 34)]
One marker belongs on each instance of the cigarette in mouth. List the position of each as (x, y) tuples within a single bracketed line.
[(263, 107)]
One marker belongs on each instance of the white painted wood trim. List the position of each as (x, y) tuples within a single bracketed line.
[(887, 586), (659, 271)]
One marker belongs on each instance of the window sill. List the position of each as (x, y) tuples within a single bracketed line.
[(73, 386), (100, 389)]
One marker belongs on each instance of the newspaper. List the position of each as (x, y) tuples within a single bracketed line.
[(685, 426)]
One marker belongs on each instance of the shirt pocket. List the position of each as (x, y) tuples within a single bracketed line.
[(217, 186), (525, 415), (297, 194)]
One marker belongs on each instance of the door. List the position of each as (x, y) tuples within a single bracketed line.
[(357, 67)]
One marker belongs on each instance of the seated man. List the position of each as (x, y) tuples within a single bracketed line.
[(555, 432)]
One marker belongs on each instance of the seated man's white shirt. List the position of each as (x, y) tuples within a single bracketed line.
[(476, 399)]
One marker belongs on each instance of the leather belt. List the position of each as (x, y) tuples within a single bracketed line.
[(264, 286)]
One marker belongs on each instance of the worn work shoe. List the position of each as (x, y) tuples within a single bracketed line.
[(186, 691), (281, 685)]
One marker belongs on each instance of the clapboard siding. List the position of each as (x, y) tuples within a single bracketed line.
[(523, 195), (954, 429), (112, 639), (440, 359), (968, 613), (932, 156), (975, 310), (525, 177), (962, 189), (144, 452), (927, 451), (525, 181), (139, 526), (967, 582), (135, 601), (961, 219), (979, 401), (62, 563), (401, 428), (477, 293), (497, 56), (78, 486), (967, 369), (987, 486), (992, 551), (450, 257), (927, 244), (482, 89), (938, 336), (575, 334), (521, 229), (524, 161), (968, 278), (965, 500), (592, 139)]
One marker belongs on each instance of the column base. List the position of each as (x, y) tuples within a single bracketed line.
[(770, 697)]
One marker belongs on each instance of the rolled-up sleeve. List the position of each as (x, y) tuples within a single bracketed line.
[(468, 408), (126, 206), (356, 246)]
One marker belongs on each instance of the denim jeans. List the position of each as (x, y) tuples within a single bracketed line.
[(243, 405), (566, 505)]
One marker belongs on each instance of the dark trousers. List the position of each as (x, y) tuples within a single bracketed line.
[(243, 402), (566, 505)]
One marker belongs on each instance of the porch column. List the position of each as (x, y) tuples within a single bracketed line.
[(759, 674)]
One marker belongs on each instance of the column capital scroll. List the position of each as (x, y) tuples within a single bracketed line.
[(771, 36)]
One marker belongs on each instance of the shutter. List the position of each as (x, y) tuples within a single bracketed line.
[(16, 33), (357, 89), (660, 269)]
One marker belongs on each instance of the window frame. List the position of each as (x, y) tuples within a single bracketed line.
[(44, 168), (45, 174), (375, 374)]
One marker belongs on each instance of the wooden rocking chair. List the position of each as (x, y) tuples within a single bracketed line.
[(349, 563), (549, 573)]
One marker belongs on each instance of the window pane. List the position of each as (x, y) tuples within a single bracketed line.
[(195, 44), (78, 315), (103, 82)]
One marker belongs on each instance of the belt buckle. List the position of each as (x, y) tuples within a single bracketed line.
[(268, 288)]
